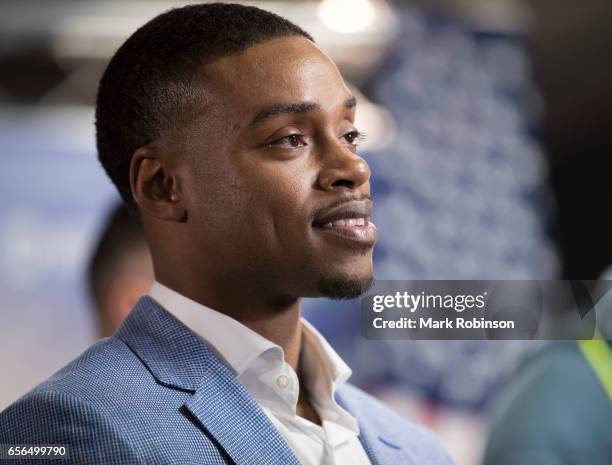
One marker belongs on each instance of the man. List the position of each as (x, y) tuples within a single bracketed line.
[(231, 136), (557, 409), (120, 270)]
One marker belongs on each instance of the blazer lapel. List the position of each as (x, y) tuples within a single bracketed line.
[(228, 412), (379, 442), (178, 359)]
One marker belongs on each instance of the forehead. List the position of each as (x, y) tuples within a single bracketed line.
[(288, 69)]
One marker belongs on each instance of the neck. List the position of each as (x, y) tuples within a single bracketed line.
[(276, 319), (282, 328)]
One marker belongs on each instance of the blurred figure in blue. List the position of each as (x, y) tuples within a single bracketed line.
[(557, 409)]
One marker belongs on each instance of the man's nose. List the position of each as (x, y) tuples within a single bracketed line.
[(343, 168)]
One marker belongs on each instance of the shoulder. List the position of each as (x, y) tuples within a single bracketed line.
[(75, 407), (554, 390), (105, 368), (58, 418), (556, 375), (375, 416)]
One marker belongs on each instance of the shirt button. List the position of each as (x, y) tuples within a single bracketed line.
[(282, 382)]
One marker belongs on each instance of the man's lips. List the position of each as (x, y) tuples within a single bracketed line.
[(352, 210), (349, 221)]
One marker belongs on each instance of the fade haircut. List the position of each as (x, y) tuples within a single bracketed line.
[(149, 87)]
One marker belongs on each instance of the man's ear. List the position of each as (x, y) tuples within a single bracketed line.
[(154, 187)]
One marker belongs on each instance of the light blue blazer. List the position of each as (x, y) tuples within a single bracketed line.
[(154, 393)]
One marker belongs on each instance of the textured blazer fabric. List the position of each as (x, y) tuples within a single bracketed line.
[(154, 393)]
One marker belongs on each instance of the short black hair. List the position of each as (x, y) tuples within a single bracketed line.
[(149, 83)]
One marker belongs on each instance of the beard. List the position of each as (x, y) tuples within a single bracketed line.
[(343, 288)]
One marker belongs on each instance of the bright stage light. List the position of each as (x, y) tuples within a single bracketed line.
[(346, 16)]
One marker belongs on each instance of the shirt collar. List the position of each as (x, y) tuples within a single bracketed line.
[(217, 329), (256, 360), (318, 354)]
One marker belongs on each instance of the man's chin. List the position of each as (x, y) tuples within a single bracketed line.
[(343, 287)]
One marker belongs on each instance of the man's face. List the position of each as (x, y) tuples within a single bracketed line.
[(276, 195)]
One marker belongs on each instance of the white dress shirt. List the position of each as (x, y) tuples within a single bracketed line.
[(260, 366)]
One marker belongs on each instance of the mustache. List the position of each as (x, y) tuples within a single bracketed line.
[(341, 201)]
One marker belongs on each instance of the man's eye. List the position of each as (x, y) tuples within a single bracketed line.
[(354, 137), (292, 141)]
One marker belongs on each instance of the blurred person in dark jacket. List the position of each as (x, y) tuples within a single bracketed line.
[(120, 270)]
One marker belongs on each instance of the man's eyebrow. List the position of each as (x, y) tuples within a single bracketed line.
[(275, 109)]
